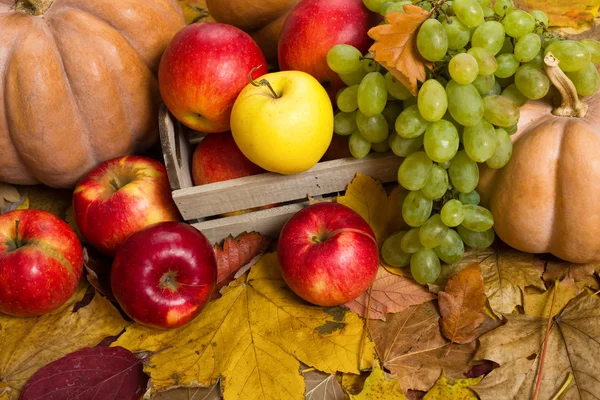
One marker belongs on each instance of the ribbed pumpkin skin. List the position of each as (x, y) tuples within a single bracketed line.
[(547, 199), (78, 85)]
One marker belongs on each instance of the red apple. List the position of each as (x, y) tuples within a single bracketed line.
[(217, 158), (328, 254), (120, 197), (164, 274), (315, 26), (41, 262), (203, 70)]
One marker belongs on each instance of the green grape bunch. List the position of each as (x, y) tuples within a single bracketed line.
[(487, 63)]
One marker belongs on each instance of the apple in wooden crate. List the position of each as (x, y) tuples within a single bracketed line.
[(313, 27), (163, 275), (41, 262), (120, 197), (328, 254), (203, 70)]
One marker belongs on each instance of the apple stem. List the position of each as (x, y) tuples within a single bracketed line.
[(262, 82), (17, 240)]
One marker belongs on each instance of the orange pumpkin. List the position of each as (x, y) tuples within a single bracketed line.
[(547, 198), (78, 83)]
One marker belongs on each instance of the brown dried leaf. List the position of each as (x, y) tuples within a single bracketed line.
[(583, 274), (98, 267), (461, 304), (410, 345), (390, 293), (322, 386), (10, 198), (396, 46)]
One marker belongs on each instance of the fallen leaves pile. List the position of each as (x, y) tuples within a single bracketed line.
[(500, 324)]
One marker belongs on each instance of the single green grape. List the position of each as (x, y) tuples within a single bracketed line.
[(432, 41), (432, 232), (538, 60), (432, 101), (451, 250), (441, 141), (353, 78), (586, 80), (410, 123), (358, 145), (464, 103), (469, 12), (391, 112), (347, 100), (458, 34), (344, 123), (477, 218), (452, 213), (593, 47), (392, 252), (483, 3), (540, 16), (572, 55), (463, 68), (398, 6), (369, 65), (500, 111), (486, 61), (414, 170), (497, 89), (532, 82), (503, 150), (374, 5), (372, 94), (374, 129), (479, 141), (518, 23), (503, 7), (436, 184), (425, 266), (484, 84), (344, 58), (527, 47), (416, 209), (464, 172), (476, 240), (507, 65), (489, 35), (410, 242), (511, 129), (395, 88), (472, 198), (403, 147), (514, 94), (381, 147)]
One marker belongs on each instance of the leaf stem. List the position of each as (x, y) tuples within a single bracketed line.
[(262, 82), (564, 386), (540, 373)]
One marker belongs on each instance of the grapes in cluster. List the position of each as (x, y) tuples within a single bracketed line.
[(487, 62)]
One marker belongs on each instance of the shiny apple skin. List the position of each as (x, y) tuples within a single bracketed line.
[(43, 273), (313, 27), (175, 249), (333, 271), (107, 217)]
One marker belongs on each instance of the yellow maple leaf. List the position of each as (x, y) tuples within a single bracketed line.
[(380, 386), (367, 197), (253, 337), (195, 11), (459, 390), (539, 304), (26, 344)]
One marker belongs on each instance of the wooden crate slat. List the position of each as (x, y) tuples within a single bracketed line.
[(177, 152), (258, 190)]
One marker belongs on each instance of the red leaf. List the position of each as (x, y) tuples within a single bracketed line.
[(89, 374), (237, 253)]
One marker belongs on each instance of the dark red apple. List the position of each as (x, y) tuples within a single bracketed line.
[(164, 274), (203, 70), (41, 262), (328, 254), (315, 26)]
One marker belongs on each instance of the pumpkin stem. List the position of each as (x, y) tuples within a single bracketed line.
[(33, 7), (571, 105)]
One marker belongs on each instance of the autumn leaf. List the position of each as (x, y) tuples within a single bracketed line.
[(26, 344), (411, 346), (98, 267), (574, 13), (195, 11), (253, 337), (322, 386), (389, 294), (459, 390), (583, 274), (55, 201), (11, 199), (380, 386), (573, 348), (395, 46), (539, 304), (461, 304), (237, 255), (190, 393), (352, 383)]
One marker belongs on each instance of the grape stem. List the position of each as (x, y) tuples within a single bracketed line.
[(262, 82), (571, 105)]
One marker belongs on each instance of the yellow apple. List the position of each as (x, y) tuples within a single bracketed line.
[(285, 123)]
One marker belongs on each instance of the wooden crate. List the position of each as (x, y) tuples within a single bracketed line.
[(202, 205)]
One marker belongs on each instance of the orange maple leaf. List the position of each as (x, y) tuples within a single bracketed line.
[(395, 46)]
